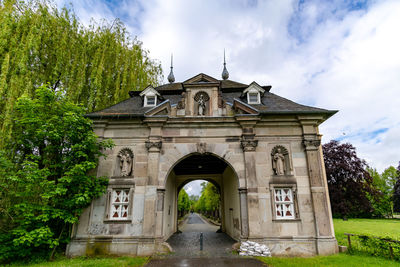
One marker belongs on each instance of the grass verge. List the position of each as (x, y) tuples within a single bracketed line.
[(90, 262), (371, 227), (342, 259)]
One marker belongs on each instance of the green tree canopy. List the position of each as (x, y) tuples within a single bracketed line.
[(95, 66), (183, 201), (45, 179), (384, 183), (209, 199)]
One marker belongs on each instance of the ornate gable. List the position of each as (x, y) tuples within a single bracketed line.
[(202, 79)]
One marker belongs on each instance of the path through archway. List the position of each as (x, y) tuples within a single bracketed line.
[(217, 171)]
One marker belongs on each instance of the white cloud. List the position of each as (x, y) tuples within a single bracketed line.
[(194, 187), (331, 54)]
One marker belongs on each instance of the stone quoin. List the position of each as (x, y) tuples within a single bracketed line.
[(261, 150)]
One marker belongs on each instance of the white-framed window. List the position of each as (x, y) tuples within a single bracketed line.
[(253, 97), (150, 100), (284, 203), (119, 206)]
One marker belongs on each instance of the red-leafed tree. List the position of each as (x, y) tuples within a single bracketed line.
[(350, 184), (396, 192)]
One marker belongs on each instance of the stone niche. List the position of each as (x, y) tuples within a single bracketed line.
[(201, 104), (281, 161), (124, 163)]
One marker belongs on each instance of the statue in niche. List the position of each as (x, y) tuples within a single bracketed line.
[(201, 99), (278, 162), (201, 106), (125, 162)]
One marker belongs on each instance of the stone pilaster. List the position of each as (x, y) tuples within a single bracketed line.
[(153, 145), (318, 186), (243, 213), (160, 212), (249, 145)]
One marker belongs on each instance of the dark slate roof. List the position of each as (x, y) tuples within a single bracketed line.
[(170, 86), (131, 107), (270, 103), (224, 84)]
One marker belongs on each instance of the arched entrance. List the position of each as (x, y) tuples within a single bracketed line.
[(213, 169)]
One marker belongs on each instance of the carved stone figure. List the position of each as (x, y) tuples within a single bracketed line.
[(201, 148), (202, 106), (125, 162), (279, 162), (201, 98), (181, 103), (221, 101)]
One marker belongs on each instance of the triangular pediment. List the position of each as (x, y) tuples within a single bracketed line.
[(162, 109), (149, 90), (243, 108), (254, 87), (201, 78)]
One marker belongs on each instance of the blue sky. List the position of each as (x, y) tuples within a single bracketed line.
[(334, 54)]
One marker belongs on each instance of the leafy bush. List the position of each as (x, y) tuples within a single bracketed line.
[(44, 180), (376, 246)]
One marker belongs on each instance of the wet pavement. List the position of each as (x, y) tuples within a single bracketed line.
[(194, 219), (205, 262), (217, 247), (187, 243)]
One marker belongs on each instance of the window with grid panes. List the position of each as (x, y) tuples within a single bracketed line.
[(150, 101), (284, 205), (253, 98), (119, 204)]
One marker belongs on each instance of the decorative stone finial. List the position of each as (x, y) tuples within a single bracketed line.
[(171, 77), (225, 73)]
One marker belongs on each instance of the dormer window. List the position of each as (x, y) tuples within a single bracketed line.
[(149, 96), (150, 100), (254, 93)]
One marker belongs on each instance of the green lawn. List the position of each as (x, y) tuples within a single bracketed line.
[(91, 262), (372, 227), (339, 260)]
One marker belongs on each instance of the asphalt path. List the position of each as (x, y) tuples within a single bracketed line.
[(216, 247)]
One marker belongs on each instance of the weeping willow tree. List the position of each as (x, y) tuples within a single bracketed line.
[(94, 66)]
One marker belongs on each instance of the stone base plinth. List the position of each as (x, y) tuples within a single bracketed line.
[(116, 246)]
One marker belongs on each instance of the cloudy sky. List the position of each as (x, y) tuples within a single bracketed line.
[(334, 54)]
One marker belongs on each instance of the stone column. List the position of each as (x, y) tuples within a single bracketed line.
[(160, 212), (243, 213)]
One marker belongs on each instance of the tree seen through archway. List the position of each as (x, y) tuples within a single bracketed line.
[(207, 203)]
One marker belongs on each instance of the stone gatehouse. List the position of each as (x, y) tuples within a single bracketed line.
[(263, 151)]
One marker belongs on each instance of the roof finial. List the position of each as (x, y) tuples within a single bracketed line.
[(171, 77), (225, 73)]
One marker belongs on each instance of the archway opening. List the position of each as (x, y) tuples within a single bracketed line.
[(215, 171)]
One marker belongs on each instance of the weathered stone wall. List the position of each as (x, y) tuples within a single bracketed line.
[(153, 210), (170, 205), (231, 205)]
